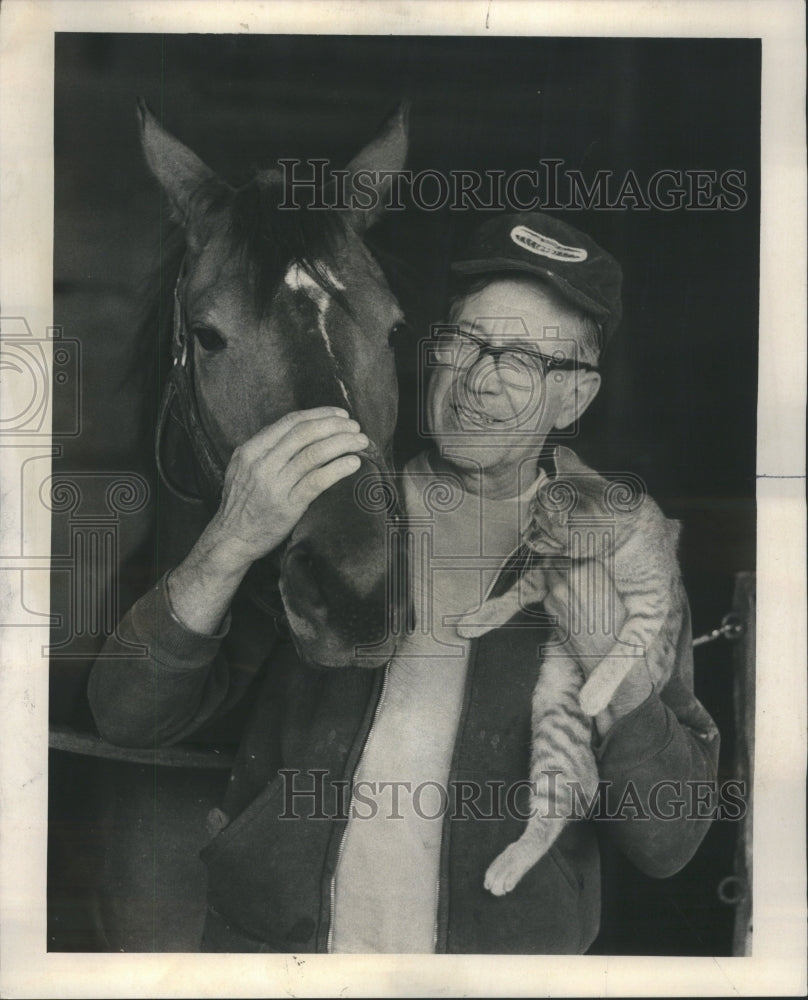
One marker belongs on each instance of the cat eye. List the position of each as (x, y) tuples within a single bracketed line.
[(208, 338)]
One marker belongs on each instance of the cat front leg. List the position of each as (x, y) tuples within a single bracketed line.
[(604, 680), (496, 611), (654, 618), (492, 613)]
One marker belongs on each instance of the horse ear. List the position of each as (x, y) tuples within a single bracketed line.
[(182, 175), (387, 152)]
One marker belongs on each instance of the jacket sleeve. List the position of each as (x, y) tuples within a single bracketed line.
[(659, 764), (174, 680)]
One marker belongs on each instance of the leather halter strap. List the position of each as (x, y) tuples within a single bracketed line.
[(180, 391)]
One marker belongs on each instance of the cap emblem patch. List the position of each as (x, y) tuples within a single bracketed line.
[(543, 246)]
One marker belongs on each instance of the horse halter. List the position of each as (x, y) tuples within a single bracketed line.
[(180, 390)]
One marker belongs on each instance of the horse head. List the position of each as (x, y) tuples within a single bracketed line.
[(281, 309)]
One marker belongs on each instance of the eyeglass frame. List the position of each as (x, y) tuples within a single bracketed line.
[(547, 362)]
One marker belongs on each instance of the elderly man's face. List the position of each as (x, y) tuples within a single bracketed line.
[(493, 412)]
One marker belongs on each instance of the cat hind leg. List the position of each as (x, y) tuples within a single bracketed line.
[(551, 812), (508, 867), (562, 767)]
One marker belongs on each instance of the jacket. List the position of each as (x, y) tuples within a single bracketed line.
[(271, 874)]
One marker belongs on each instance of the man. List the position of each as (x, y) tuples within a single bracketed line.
[(360, 816)]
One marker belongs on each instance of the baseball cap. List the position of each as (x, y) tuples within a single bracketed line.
[(534, 243)]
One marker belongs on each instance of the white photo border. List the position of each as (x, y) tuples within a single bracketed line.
[(778, 965)]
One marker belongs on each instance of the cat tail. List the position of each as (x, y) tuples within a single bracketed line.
[(563, 772)]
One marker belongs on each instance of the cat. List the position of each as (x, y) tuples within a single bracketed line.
[(638, 549)]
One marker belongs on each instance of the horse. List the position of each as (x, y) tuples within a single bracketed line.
[(267, 311), (279, 309)]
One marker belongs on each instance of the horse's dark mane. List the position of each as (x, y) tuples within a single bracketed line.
[(267, 240), (270, 238)]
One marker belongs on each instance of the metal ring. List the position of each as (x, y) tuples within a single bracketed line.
[(732, 626), (732, 890)]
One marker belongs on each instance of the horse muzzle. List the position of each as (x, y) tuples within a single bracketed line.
[(344, 574)]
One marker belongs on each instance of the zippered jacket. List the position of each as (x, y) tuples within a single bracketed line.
[(276, 838)]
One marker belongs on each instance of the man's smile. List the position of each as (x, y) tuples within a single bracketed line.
[(477, 417)]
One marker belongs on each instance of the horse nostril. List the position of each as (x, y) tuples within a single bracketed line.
[(301, 577)]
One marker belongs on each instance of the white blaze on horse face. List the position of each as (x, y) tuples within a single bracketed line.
[(299, 280)]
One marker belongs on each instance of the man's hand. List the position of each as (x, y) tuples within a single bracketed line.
[(273, 477), (591, 637), (270, 481)]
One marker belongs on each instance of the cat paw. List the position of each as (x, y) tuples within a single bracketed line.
[(468, 628), (507, 869), (593, 702), (471, 631)]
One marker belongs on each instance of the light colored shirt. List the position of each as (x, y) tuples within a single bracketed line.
[(386, 884)]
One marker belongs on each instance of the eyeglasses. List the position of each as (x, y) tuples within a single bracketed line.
[(517, 366)]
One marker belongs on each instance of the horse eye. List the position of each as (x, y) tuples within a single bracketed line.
[(209, 340)]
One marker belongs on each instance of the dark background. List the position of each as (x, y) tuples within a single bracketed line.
[(679, 399)]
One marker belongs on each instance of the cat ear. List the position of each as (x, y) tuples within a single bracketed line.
[(579, 391), (567, 461)]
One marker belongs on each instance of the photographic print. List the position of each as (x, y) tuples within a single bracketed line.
[(391, 466)]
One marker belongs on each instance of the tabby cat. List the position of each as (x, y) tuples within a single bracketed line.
[(629, 541)]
